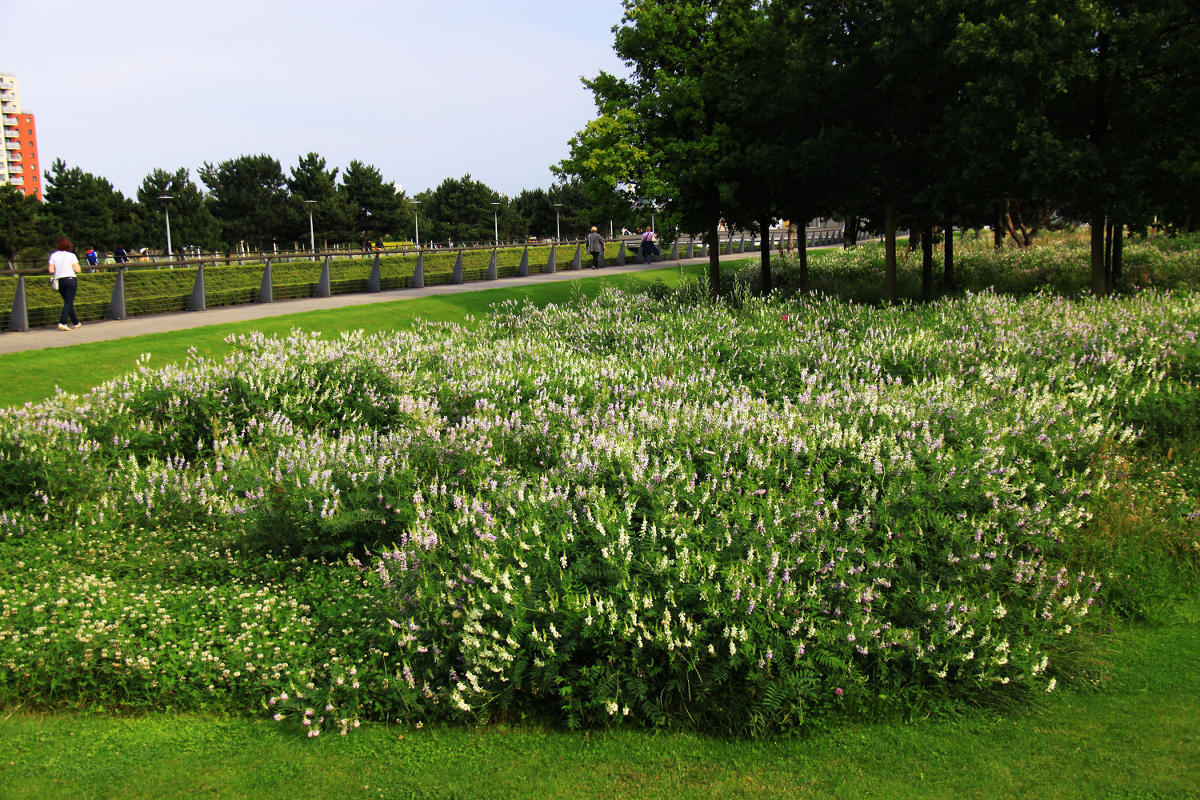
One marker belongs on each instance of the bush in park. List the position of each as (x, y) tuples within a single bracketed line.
[(629, 510)]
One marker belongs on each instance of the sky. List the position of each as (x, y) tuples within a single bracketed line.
[(424, 90)]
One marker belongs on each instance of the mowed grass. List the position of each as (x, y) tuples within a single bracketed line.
[(33, 375), (1135, 735)]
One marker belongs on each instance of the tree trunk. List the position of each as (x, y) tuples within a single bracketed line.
[(927, 263), (998, 232), (850, 233), (764, 247), (1118, 253), (914, 240), (889, 249), (948, 267), (1099, 282), (1108, 240), (714, 258), (802, 252)]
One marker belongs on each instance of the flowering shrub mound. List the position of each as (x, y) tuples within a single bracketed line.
[(625, 509)]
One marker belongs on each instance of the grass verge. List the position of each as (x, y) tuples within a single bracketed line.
[(1134, 735), (33, 375)]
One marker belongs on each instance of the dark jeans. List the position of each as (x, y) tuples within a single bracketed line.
[(67, 288), (596, 260)]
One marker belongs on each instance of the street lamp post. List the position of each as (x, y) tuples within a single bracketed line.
[(166, 201), (557, 229), (416, 224), (496, 220), (312, 239)]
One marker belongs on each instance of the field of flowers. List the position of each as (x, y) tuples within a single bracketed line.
[(630, 510)]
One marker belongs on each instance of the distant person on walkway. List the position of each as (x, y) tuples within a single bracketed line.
[(93, 258), (595, 245), (64, 266), (120, 256), (649, 246)]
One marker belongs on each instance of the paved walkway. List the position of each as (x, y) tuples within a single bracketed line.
[(106, 330)]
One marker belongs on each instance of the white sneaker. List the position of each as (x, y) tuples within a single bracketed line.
[(77, 325), (62, 327)]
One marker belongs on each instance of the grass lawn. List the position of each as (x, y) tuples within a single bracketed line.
[(1129, 728), (33, 375), (1135, 735)]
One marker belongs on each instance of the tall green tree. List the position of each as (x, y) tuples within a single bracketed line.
[(772, 177), (378, 210), (535, 211), (460, 210), (890, 85), (564, 209), (582, 208), (192, 223), (250, 201), (1130, 106), (21, 225), (87, 209), (676, 105), (607, 170), (312, 188)]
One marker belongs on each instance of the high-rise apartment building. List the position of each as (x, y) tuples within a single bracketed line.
[(18, 154)]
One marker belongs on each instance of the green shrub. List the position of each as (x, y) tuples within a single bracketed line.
[(630, 510)]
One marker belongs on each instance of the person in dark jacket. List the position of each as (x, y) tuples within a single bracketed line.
[(595, 246)]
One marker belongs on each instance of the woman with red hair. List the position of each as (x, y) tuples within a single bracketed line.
[(64, 266)]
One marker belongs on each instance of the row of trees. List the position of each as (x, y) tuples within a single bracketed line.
[(250, 201), (918, 114)]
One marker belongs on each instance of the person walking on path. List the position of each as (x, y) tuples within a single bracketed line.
[(64, 266), (595, 246), (649, 245)]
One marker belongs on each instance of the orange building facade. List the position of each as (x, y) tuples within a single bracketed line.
[(19, 162)]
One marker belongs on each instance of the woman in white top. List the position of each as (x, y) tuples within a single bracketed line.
[(65, 266)]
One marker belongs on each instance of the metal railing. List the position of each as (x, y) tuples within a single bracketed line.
[(201, 297)]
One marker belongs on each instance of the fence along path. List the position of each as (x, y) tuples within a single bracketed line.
[(322, 293)]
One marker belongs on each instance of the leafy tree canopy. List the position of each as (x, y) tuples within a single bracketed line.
[(86, 208), (313, 189), (21, 222), (378, 210), (192, 222), (249, 200), (460, 210)]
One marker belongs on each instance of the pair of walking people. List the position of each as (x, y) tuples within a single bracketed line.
[(595, 246)]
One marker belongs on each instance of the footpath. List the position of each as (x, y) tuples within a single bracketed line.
[(107, 330)]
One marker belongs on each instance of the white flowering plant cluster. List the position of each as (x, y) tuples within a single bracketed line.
[(618, 510)]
